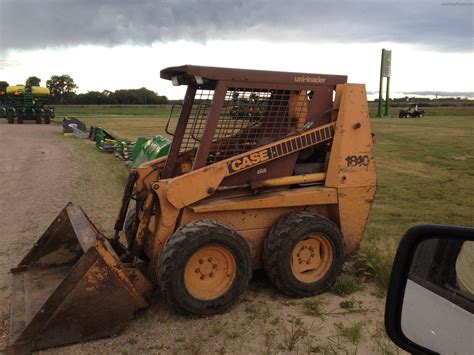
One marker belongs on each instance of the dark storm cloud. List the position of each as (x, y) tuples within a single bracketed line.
[(439, 24)]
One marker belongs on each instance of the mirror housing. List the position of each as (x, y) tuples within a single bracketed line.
[(402, 266)]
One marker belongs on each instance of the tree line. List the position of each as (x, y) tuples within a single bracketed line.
[(63, 91)]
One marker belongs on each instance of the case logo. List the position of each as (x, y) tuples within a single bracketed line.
[(248, 161)]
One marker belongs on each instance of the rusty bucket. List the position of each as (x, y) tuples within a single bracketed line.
[(71, 287)]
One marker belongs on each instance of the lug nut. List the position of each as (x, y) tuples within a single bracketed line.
[(211, 274), (196, 271), (201, 261), (210, 259), (203, 277), (214, 266)]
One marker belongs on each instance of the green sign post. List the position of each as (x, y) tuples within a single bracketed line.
[(385, 71)]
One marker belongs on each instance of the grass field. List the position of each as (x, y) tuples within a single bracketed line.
[(424, 166), (425, 175)]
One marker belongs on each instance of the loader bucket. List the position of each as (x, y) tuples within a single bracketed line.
[(71, 287)]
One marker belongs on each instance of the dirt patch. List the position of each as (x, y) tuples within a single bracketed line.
[(35, 178), (40, 171)]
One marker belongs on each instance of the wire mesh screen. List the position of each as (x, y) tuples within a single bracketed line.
[(197, 119), (249, 118)]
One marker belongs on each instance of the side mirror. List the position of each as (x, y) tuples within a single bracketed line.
[(430, 299)]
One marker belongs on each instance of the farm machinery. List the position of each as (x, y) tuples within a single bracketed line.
[(3, 99), (28, 103), (286, 185), (411, 111)]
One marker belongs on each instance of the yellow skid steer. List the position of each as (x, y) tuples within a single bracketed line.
[(267, 170)]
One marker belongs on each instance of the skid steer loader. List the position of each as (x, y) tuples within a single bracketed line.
[(267, 170)]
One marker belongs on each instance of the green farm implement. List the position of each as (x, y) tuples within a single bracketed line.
[(3, 99), (28, 103)]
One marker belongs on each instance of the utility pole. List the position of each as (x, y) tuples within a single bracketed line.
[(385, 71)]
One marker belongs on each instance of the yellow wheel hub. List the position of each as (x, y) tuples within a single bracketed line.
[(311, 258), (210, 272)]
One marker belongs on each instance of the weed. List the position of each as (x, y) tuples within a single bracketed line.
[(353, 332), (313, 307), (375, 264), (346, 285), (275, 320), (327, 349), (349, 304), (292, 334)]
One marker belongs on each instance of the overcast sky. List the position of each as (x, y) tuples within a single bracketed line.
[(112, 44)]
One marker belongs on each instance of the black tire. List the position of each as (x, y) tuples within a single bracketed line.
[(47, 117), (293, 231), (38, 117), (10, 117), (179, 252), (19, 117)]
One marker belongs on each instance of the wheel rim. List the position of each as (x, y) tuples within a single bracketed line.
[(311, 258), (210, 272)]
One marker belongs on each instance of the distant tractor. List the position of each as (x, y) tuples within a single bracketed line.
[(411, 111), (28, 103), (3, 99)]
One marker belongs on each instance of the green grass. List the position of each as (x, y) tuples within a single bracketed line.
[(376, 264), (115, 110), (352, 332), (345, 285), (122, 121), (313, 307), (293, 333), (425, 175)]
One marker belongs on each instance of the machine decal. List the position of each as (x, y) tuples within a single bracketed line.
[(249, 160), (357, 160), (285, 147), (310, 79)]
